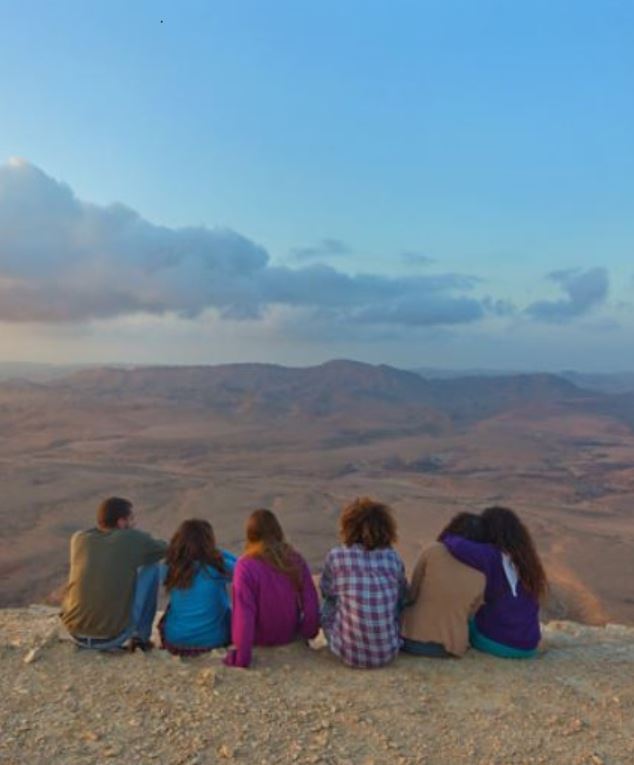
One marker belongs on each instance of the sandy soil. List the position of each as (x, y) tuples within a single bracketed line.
[(572, 706)]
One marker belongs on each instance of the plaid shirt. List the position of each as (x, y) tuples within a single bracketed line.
[(362, 591)]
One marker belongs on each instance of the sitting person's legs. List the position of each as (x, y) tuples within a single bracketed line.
[(144, 601), (103, 644), (486, 645), (419, 648), (141, 616)]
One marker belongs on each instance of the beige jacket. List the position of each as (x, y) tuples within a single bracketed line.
[(445, 593)]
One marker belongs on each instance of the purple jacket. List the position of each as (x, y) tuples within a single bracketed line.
[(268, 610), (512, 620)]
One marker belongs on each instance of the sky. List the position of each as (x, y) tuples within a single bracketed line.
[(416, 183)]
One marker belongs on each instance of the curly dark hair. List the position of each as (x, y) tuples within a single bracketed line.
[(467, 525), (505, 530), (193, 544), (368, 523)]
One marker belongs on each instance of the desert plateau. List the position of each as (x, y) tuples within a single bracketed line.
[(216, 442)]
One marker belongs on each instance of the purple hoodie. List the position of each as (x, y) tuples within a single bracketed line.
[(507, 618), (268, 610)]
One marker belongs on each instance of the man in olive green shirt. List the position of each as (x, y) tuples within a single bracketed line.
[(113, 583)]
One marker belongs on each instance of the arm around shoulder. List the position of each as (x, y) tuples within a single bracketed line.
[(475, 554)]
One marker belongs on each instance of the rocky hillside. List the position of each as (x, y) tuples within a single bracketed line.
[(574, 705), (321, 391)]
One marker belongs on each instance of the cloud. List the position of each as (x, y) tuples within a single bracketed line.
[(498, 307), (584, 290), (326, 248), (65, 260), (416, 259)]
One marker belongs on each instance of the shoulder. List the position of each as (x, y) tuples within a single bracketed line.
[(298, 558), (136, 536), (434, 551), (390, 554), (81, 538), (229, 558), (246, 566), (340, 554)]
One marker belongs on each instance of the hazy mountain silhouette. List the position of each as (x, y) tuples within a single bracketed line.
[(329, 389)]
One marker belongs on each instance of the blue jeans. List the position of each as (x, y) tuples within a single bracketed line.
[(142, 613), (418, 648)]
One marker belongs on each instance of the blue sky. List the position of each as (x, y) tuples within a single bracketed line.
[(455, 155)]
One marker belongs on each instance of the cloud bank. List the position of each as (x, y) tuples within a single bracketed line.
[(65, 260), (584, 290)]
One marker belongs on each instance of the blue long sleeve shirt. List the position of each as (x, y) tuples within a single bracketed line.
[(200, 616)]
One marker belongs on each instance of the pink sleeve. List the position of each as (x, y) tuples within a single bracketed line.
[(244, 598), (310, 605)]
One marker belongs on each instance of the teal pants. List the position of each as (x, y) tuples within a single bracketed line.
[(485, 644)]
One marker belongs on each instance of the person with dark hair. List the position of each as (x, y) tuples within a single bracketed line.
[(363, 584), (444, 594), (112, 588), (507, 625), (196, 575), (273, 595)]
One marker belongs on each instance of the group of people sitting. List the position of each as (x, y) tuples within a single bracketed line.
[(480, 584)]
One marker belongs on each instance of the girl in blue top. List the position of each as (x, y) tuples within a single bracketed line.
[(196, 577)]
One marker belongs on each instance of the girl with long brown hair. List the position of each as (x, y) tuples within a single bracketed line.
[(274, 598), (196, 576), (507, 625)]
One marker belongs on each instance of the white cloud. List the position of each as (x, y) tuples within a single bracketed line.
[(65, 260)]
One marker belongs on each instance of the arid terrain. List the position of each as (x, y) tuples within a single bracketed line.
[(217, 442), (574, 705)]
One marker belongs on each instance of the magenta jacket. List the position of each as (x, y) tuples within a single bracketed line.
[(268, 610)]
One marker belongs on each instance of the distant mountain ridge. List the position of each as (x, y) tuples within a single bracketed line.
[(324, 390)]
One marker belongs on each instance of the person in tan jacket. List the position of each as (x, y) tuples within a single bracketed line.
[(444, 594)]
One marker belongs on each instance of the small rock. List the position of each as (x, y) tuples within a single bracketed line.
[(226, 752)]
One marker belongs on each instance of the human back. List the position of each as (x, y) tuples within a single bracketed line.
[(196, 576), (444, 594), (363, 583), (104, 566), (274, 598), (508, 622)]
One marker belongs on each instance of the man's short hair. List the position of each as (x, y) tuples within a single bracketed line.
[(112, 510)]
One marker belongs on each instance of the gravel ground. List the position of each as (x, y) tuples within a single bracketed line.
[(574, 705)]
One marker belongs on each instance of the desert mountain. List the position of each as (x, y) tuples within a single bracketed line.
[(325, 390)]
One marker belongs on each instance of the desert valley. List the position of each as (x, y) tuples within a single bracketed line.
[(216, 442)]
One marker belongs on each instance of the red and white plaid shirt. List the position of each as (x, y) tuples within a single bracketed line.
[(363, 591)]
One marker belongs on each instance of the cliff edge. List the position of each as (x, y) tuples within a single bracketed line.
[(573, 705)]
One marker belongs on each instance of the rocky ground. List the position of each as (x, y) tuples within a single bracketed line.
[(574, 705)]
